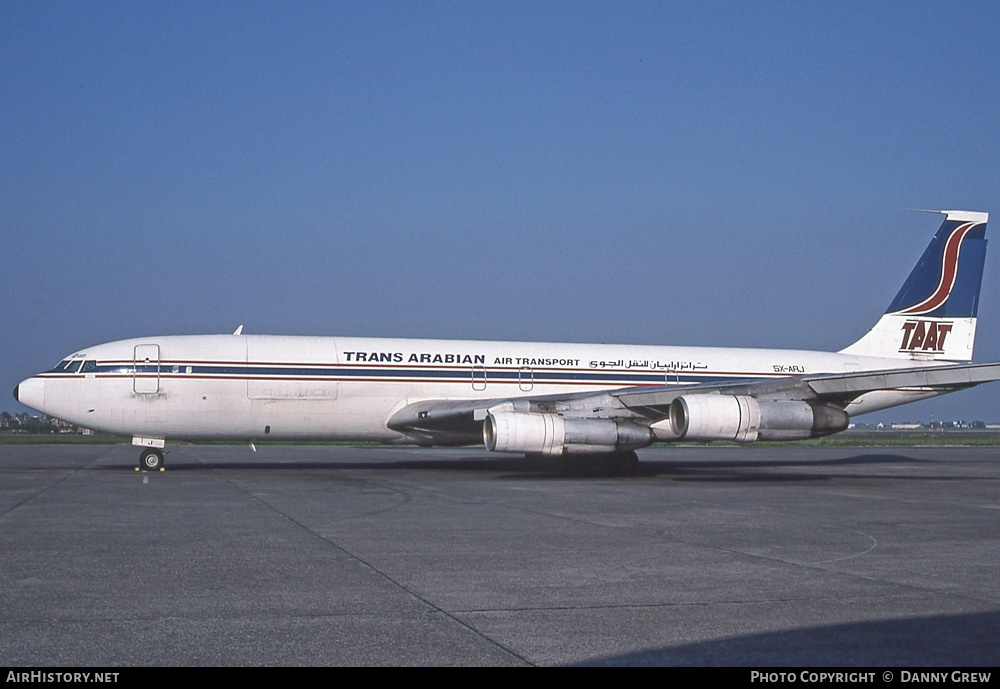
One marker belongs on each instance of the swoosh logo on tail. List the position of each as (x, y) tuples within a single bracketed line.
[(949, 271)]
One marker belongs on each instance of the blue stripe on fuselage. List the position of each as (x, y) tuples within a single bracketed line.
[(401, 374)]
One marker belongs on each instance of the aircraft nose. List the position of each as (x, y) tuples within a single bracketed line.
[(31, 393)]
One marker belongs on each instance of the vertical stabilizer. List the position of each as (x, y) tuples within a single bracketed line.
[(934, 314)]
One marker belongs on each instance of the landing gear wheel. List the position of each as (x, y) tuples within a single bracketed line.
[(151, 460)]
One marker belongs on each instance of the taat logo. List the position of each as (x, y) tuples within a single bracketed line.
[(924, 336)]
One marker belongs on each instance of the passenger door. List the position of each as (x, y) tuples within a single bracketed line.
[(146, 369)]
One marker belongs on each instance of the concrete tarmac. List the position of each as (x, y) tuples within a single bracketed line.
[(312, 555)]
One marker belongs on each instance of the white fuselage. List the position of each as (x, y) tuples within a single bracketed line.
[(257, 386)]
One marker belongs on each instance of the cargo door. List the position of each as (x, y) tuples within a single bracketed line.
[(300, 369)]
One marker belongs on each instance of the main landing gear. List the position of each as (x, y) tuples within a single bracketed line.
[(151, 459)]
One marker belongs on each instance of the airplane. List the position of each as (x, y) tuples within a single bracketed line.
[(536, 399)]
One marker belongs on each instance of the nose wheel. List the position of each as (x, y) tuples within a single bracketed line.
[(151, 459)]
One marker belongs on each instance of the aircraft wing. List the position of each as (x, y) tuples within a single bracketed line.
[(830, 388), (459, 422)]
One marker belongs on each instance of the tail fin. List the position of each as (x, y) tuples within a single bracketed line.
[(934, 314)]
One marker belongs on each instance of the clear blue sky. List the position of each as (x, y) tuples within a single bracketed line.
[(727, 173)]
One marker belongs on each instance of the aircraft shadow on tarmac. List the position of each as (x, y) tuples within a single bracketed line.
[(763, 470), (947, 641)]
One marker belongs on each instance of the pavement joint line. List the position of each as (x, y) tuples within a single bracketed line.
[(49, 486), (399, 585), (807, 565)]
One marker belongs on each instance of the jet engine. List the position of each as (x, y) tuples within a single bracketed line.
[(552, 434), (746, 419)]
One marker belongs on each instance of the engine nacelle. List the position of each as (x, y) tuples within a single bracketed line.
[(746, 419), (552, 434)]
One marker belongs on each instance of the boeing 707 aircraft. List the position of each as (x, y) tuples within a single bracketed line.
[(531, 398)]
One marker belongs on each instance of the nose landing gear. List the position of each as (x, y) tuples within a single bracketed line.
[(151, 459)]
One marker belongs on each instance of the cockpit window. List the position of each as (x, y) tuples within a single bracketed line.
[(89, 366), (67, 366)]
